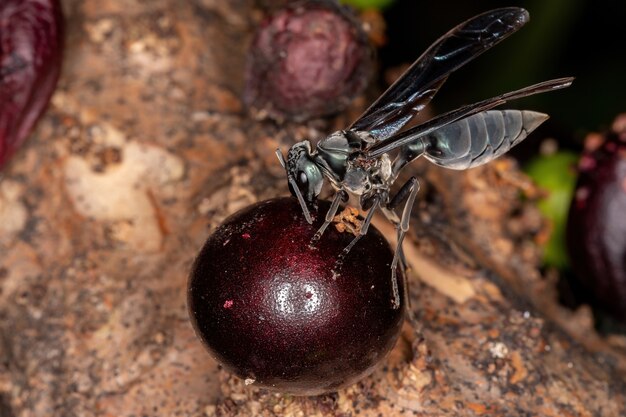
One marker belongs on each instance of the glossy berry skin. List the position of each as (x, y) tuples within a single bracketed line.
[(30, 62), (269, 309), (596, 230), (309, 59)]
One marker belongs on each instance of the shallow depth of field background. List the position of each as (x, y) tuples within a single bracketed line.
[(581, 38)]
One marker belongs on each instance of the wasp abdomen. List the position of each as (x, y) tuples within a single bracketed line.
[(480, 138)]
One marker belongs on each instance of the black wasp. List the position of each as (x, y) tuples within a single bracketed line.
[(357, 160)]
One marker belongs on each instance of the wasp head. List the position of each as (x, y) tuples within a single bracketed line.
[(303, 169), (304, 176)]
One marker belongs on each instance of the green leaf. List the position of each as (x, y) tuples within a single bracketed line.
[(368, 4), (555, 174)]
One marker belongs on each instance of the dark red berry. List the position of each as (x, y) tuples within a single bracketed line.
[(596, 230), (30, 61), (269, 308), (309, 59)]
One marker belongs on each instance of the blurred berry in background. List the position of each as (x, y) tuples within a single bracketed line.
[(307, 60)]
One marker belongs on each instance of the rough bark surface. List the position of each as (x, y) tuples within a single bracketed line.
[(146, 148)]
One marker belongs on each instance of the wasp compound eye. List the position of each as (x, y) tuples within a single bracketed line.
[(291, 188), (305, 186)]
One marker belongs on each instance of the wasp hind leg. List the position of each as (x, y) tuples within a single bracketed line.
[(410, 188)]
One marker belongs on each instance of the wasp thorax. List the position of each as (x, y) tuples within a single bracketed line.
[(357, 181), (377, 172)]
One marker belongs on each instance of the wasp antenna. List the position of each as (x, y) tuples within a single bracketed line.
[(281, 158), (305, 209), (294, 186)]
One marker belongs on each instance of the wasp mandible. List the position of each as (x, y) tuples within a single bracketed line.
[(357, 161)]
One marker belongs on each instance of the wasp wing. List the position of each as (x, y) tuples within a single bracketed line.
[(416, 134), (417, 86)]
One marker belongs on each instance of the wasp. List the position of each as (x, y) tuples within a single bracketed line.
[(363, 161)]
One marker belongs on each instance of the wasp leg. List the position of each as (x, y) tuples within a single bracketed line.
[(393, 218), (411, 187), (340, 196), (390, 214), (405, 190), (362, 232)]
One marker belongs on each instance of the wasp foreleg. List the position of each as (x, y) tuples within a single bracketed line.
[(340, 196), (362, 232)]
